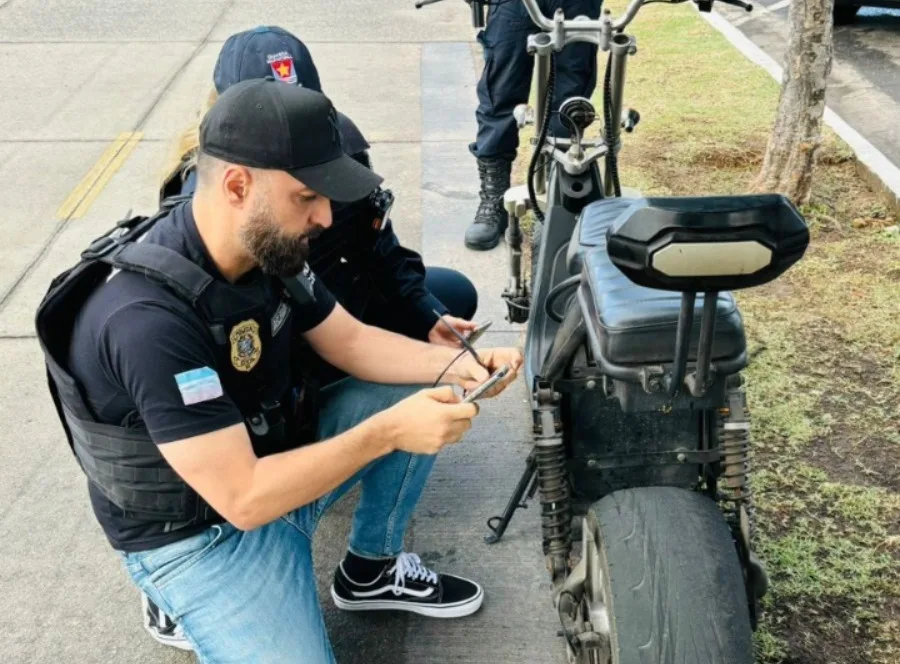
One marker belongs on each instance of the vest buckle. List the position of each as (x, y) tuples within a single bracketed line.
[(259, 425), (259, 422), (99, 248)]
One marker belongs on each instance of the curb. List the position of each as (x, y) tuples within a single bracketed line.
[(872, 164)]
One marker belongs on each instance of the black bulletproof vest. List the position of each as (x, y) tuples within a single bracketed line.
[(121, 460)]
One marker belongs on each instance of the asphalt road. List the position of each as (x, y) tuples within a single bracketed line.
[(864, 88)]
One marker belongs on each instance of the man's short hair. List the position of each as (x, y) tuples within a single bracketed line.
[(207, 167)]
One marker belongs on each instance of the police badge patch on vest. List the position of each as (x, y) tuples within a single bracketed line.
[(246, 346)]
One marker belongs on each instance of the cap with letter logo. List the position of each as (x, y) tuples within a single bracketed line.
[(265, 51)]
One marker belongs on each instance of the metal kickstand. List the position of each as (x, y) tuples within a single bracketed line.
[(527, 483)]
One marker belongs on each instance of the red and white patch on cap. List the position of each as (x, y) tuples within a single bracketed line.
[(282, 65)]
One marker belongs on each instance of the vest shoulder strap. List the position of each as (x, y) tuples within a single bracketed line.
[(162, 265)]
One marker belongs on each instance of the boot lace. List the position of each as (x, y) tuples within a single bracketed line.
[(494, 184)]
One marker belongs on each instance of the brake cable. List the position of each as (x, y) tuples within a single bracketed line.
[(545, 127)]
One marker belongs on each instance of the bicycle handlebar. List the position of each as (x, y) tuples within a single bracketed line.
[(584, 24), (595, 31)]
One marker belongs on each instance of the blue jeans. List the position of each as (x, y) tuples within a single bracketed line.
[(250, 596), (452, 288)]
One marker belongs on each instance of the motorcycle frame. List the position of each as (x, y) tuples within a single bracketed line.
[(551, 346), (563, 202)]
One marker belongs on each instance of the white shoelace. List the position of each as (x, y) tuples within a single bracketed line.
[(409, 566)]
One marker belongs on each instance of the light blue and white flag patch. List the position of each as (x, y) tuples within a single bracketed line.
[(198, 385)]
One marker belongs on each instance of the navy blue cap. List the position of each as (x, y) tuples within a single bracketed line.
[(265, 51)]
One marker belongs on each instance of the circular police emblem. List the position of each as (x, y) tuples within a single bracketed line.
[(246, 346)]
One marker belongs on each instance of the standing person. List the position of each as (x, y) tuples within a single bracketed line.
[(505, 83), (168, 352)]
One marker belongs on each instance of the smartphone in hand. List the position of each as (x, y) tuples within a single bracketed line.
[(495, 378)]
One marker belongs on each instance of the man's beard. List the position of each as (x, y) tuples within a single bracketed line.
[(275, 252)]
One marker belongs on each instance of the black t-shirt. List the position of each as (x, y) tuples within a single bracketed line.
[(137, 349)]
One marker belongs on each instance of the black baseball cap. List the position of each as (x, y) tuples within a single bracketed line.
[(265, 124), (267, 50)]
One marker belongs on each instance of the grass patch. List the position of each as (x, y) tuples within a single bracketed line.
[(833, 561), (693, 132), (824, 385)]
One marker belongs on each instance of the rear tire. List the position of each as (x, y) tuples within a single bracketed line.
[(672, 584)]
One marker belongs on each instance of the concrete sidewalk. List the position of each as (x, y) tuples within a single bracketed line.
[(111, 83)]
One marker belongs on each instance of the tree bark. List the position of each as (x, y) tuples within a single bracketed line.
[(797, 134)]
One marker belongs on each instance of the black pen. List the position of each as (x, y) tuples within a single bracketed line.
[(465, 343)]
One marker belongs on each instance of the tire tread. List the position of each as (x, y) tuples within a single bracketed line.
[(664, 609)]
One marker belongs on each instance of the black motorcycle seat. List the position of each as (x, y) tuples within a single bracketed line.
[(590, 231), (636, 325)]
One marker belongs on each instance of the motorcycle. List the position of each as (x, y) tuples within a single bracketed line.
[(633, 358)]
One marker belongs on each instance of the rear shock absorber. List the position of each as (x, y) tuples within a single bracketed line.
[(735, 495), (556, 507), (734, 443)]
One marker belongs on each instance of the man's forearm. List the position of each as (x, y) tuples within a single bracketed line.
[(376, 355), (385, 357), (283, 482)]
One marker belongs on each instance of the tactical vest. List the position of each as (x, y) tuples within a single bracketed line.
[(122, 461)]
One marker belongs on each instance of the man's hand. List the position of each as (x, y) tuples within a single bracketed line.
[(469, 374), (426, 421), (440, 335), (376, 355)]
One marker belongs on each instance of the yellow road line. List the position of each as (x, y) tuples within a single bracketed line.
[(107, 174), (86, 192)]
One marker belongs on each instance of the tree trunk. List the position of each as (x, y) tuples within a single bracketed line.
[(797, 134)]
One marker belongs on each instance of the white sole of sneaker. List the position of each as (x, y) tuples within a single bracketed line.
[(171, 641), (181, 644), (458, 610)]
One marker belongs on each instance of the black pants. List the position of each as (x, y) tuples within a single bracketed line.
[(452, 288), (506, 79)]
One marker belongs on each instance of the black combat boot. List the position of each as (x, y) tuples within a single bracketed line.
[(490, 219)]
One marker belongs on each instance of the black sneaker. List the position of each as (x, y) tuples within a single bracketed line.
[(161, 627), (406, 585)]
